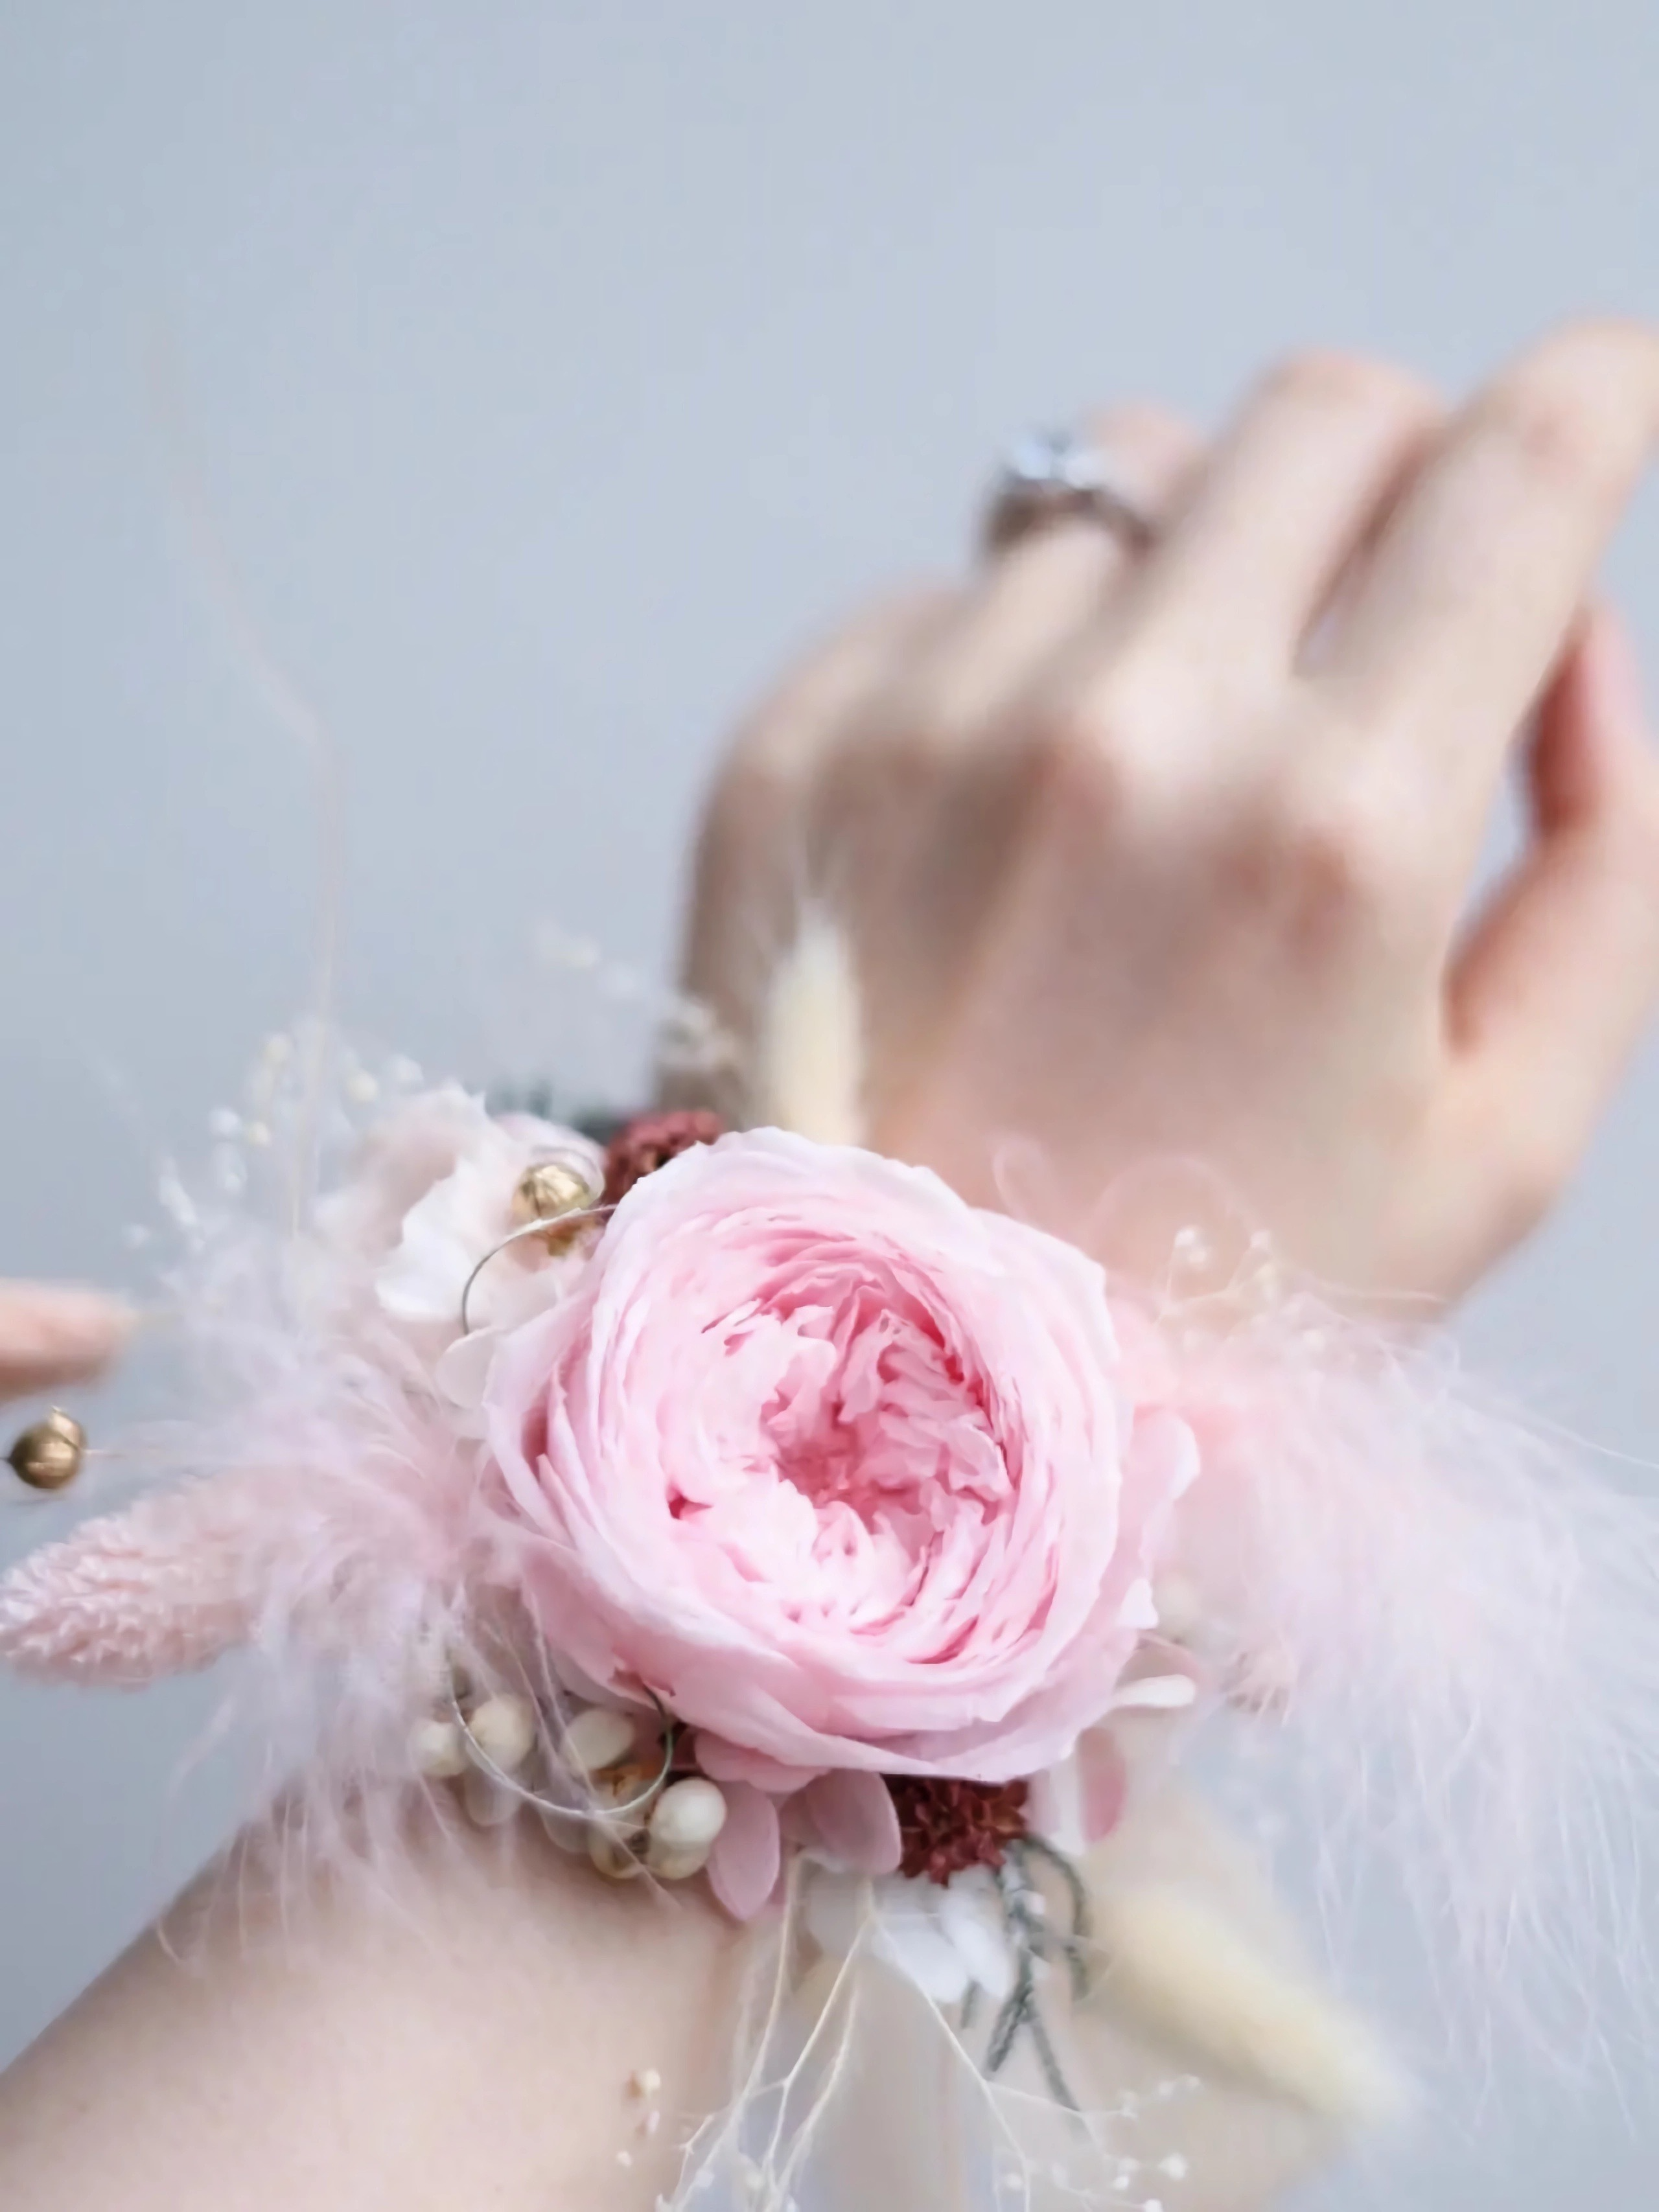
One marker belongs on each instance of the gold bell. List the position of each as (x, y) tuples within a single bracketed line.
[(49, 1453), (547, 1189)]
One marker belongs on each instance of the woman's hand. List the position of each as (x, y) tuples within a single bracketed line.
[(1169, 854), (53, 1332)]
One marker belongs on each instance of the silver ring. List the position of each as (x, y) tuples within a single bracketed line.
[(1050, 475)]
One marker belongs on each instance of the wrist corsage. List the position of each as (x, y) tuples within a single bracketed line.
[(747, 1510)]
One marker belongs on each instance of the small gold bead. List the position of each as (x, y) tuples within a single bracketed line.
[(547, 1189), (49, 1453)]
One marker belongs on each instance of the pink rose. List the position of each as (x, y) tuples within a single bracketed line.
[(839, 1467)]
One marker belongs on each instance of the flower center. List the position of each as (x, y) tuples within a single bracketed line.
[(875, 1416)]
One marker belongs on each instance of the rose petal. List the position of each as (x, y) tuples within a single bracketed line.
[(856, 1820), (849, 1472), (743, 1868)]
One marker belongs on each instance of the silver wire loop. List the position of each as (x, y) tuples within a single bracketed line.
[(573, 1220), (595, 1816)]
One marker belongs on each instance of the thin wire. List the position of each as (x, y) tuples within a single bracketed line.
[(296, 712), (571, 1221), (592, 1816)]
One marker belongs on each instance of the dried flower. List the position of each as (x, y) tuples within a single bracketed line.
[(948, 1824), (649, 1141)]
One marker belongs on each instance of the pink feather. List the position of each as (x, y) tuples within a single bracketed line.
[(1459, 1618)]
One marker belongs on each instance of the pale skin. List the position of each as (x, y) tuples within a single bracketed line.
[(1144, 854), (1168, 854)]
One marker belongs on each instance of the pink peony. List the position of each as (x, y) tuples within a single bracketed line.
[(840, 1468)]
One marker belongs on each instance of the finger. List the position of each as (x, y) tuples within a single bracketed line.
[(1035, 599), (1293, 487), (750, 864), (1479, 575), (1559, 976), (782, 736), (51, 1334)]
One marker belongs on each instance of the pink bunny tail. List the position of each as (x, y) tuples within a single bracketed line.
[(160, 1589)]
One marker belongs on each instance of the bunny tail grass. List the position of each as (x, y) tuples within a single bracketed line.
[(1181, 1974), (809, 1052)]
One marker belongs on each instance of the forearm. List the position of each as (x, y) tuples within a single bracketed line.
[(474, 2034)]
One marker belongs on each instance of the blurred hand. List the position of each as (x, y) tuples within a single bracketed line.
[(1169, 853), (51, 1334)]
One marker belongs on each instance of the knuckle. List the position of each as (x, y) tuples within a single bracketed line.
[(1128, 710), (1583, 402), (1551, 425), (751, 789), (1101, 752), (1331, 839), (1337, 861), (926, 728)]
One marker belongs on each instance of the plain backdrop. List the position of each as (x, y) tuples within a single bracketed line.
[(554, 371)]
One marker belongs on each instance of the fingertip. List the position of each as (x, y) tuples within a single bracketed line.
[(53, 1333)]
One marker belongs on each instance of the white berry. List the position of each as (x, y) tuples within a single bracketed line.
[(504, 1730)]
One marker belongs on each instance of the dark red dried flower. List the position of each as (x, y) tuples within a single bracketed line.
[(947, 1825), (649, 1141)]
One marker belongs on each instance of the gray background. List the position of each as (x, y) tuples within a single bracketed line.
[(555, 371)]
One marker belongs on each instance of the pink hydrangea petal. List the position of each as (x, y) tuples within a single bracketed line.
[(1102, 1784), (856, 1822), (734, 1762), (743, 1868), (800, 1829)]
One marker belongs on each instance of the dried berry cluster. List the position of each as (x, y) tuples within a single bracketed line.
[(947, 1825), (649, 1141)]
